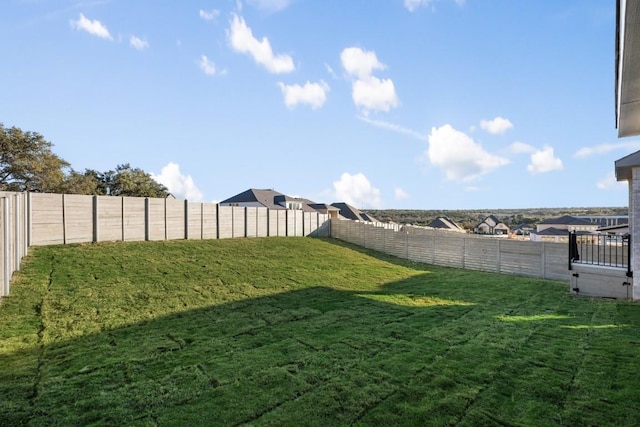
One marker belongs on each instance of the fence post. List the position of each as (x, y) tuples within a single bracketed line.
[(186, 220), (166, 232), (95, 219), (246, 221), (16, 236), (201, 221), (499, 257), (25, 222), (217, 221), (64, 223), (7, 258), (406, 241), (122, 216), (146, 218), (544, 260), (268, 222), (464, 250), (29, 217)]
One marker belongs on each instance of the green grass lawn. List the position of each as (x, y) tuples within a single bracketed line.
[(300, 331)]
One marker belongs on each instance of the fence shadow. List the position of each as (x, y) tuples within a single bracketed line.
[(233, 363)]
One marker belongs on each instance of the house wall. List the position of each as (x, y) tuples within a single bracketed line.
[(634, 224), (452, 249)]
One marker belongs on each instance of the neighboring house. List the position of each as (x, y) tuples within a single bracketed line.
[(270, 199), (523, 229), (445, 223), (325, 208), (349, 212), (492, 225), (606, 220), (621, 229), (558, 229)]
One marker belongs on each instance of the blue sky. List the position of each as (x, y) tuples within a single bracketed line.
[(394, 104)]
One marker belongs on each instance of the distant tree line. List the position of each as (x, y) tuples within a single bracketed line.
[(469, 219), (27, 163)]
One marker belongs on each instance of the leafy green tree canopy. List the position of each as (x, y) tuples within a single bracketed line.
[(128, 181), (28, 164)]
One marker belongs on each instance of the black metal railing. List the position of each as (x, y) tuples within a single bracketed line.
[(608, 250)]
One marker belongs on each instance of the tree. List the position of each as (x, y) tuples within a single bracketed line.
[(27, 162), (80, 183), (128, 181)]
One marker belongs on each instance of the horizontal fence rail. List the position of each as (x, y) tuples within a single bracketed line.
[(534, 259), (33, 219)]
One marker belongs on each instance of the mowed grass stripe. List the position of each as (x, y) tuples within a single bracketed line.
[(297, 331)]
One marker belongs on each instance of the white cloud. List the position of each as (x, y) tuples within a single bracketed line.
[(360, 63), (242, 40), (209, 15), (605, 148), (270, 5), (496, 126), (374, 94), (412, 5), (461, 158), (93, 27), (543, 161), (137, 43), (181, 186), (207, 66), (401, 194), (312, 94), (357, 191), (369, 92), (609, 182), (521, 148)]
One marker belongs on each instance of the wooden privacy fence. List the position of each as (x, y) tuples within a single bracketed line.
[(31, 219), (526, 258)]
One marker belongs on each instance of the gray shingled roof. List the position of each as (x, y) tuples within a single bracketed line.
[(265, 197), (349, 212), (566, 220), (269, 199), (445, 223), (551, 231)]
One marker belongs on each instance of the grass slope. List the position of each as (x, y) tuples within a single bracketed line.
[(297, 331)]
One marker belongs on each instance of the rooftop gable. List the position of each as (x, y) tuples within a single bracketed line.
[(352, 213), (265, 197), (566, 220)]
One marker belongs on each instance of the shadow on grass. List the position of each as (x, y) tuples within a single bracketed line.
[(417, 351)]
